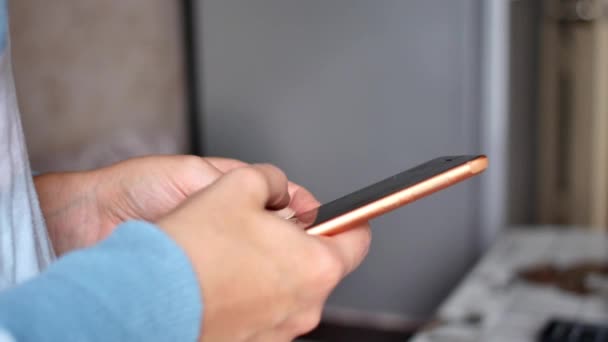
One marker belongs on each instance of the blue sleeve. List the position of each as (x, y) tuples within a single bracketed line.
[(137, 285), (3, 25)]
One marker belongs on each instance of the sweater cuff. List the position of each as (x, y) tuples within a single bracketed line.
[(137, 285)]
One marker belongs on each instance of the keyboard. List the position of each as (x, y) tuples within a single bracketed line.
[(558, 330)]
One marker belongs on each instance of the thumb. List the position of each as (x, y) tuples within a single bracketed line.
[(260, 186)]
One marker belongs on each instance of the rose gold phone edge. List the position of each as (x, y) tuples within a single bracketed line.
[(408, 195)]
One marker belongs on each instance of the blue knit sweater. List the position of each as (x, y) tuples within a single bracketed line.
[(137, 285)]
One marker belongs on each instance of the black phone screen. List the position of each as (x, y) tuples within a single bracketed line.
[(380, 189)]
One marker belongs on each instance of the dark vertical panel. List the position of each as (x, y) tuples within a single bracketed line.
[(525, 21), (191, 62)]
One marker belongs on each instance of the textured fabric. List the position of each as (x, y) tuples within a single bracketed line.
[(3, 24), (137, 285), (25, 248)]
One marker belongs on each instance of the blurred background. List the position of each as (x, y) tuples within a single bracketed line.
[(341, 93), (99, 81)]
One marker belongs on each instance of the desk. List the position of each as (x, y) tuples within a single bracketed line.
[(494, 305)]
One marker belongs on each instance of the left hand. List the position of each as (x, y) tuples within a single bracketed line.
[(82, 208)]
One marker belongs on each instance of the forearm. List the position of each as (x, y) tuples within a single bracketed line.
[(136, 285)]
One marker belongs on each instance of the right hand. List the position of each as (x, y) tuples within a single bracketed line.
[(262, 278)]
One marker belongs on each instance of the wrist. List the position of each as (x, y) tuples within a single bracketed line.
[(69, 204)]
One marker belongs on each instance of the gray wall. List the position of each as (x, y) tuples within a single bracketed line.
[(340, 93)]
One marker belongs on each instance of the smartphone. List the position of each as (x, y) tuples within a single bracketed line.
[(389, 194)]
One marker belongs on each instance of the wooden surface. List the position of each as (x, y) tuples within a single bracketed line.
[(493, 305)]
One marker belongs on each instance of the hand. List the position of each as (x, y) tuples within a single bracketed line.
[(262, 278), (82, 208), (301, 199)]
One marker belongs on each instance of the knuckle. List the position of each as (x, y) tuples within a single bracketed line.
[(307, 321), (267, 165), (196, 173), (194, 162), (273, 169), (249, 177)]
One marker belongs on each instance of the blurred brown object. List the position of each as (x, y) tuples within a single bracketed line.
[(98, 81), (572, 161), (572, 279)]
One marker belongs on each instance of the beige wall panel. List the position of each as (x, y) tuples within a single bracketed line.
[(98, 80)]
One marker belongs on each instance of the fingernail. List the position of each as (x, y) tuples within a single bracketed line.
[(285, 213)]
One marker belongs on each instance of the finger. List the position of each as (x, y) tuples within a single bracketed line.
[(286, 213), (301, 199), (263, 186), (276, 179), (225, 164), (206, 174), (351, 246)]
